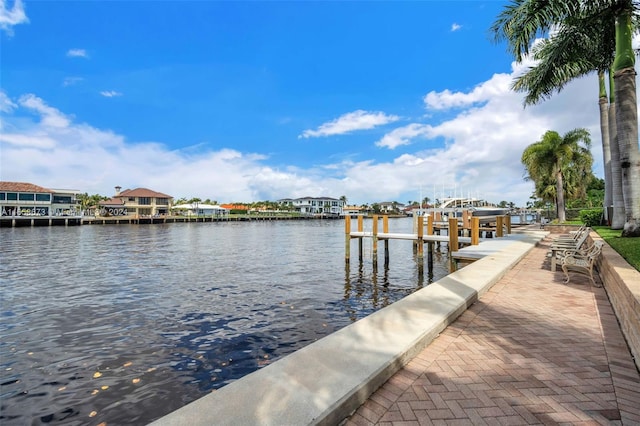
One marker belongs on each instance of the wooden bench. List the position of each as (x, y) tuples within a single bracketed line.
[(572, 235), (581, 261)]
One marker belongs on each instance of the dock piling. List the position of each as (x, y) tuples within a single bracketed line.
[(374, 232), (453, 241), (475, 231), (420, 235), (385, 229), (360, 229), (347, 239)]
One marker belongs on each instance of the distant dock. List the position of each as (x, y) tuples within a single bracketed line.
[(38, 221), (32, 221)]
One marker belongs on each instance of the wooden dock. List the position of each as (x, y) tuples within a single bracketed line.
[(461, 248)]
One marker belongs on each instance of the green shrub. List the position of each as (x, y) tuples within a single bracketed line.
[(591, 217)]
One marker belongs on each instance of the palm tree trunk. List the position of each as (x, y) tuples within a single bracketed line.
[(560, 197), (606, 149), (627, 124), (617, 218)]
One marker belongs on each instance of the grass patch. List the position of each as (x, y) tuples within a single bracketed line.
[(629, 248)]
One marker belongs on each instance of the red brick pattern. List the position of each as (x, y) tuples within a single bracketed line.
[(532, 350)]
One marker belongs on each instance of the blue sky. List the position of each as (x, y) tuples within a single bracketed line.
[(257, 100)]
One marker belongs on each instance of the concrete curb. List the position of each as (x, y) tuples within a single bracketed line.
[(326, 381)]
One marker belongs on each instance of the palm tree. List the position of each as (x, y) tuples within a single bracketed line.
[(552, 158), (523, 20), (179, 201), (574, 50)]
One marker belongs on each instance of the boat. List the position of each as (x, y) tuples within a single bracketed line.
[(454, 207), (477, 206)]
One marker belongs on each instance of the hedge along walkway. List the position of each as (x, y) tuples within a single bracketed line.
[(532, 350)]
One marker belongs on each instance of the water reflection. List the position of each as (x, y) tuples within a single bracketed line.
[(123, 324)]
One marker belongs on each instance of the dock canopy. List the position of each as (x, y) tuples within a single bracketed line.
[(198, 209)]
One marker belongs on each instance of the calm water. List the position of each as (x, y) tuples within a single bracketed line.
[(123, 324)]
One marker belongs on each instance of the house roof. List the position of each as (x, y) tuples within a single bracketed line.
[(235, 207), (142, 192), (22, 187)]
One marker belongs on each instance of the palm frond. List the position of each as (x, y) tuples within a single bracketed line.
[(522, 21), (580, 46)]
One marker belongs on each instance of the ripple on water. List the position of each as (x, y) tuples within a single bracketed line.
[(123, 324)]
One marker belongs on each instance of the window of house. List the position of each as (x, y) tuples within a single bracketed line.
[(26, 197), (144, 201), (3, 195), (47, 197), (59, 199), (12, 196)]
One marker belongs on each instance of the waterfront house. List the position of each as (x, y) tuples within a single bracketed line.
[(415, 210), (200, 209), (390, 207), (27, 199), (354, 211), (139, 201), (112, 207), (315, 205)]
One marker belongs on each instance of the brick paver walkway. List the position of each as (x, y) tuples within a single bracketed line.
[(532, 350)]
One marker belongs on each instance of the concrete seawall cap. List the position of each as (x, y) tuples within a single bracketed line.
[(324, 382)]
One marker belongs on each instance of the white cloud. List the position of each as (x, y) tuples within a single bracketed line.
[(70, 81), (498, 85), (485, 132), (455, 27), (28, 140), (484, 143), (77, 53), (357, 120), (51, 117), (10, 17), (403, 135), (6, 105), (110, 93), (55, 151)]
